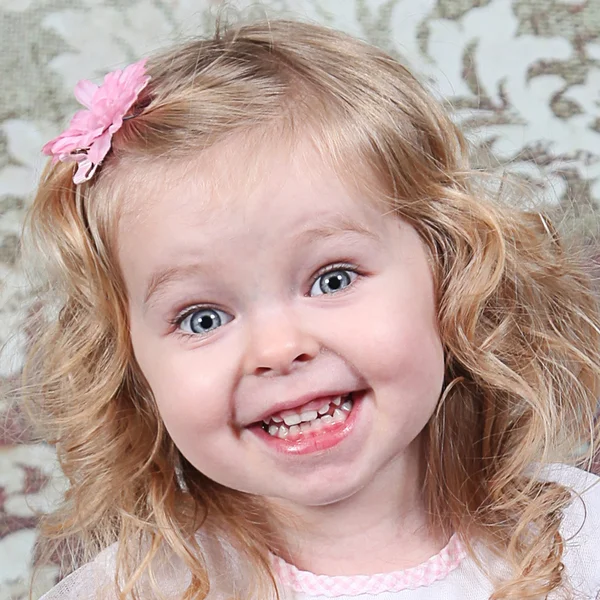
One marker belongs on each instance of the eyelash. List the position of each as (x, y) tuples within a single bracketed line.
[(188, 312), (331, 268)]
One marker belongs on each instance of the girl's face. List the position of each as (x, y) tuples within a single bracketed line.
[(286, 327)]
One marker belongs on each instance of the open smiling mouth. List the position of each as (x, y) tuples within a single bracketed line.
[(294, 423), (308, 421), (316, 426)]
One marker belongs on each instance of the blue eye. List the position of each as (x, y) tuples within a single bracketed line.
[(203, 321), (332, 282)]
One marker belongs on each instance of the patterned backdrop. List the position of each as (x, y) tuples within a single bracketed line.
[(523, 77)]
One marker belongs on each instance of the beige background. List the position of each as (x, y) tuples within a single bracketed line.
[(523, 77)]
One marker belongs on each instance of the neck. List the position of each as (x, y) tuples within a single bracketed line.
[(380, 528)]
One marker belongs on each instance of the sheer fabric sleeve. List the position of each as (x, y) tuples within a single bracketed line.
[(168, 581), (580, 527), (96, 580), (92, 581)]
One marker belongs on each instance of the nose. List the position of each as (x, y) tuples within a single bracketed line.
[(277, 343)]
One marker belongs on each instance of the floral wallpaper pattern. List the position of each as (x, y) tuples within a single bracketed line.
[(523, 78)]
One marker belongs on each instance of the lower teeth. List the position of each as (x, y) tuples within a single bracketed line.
[(283, 431)]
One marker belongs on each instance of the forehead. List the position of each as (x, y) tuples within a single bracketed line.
[(229, 182)]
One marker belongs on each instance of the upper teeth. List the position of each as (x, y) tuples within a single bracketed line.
[(293, 417), (306, 416), (294, 423)]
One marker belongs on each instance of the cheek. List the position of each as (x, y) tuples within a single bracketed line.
[(391, 336), (189, 385), (406, 353), (406, 370)]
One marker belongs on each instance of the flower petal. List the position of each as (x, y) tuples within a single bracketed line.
[(80, 121), (87, 140), (84, 92), (116, 125), (99, 148), (85, 170)]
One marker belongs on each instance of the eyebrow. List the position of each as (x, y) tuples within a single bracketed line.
[(165, 276), (339, 226)]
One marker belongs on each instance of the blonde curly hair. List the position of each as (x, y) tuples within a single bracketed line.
[(517, 314)]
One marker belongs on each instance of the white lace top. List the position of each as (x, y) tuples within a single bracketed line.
[(449, 575)]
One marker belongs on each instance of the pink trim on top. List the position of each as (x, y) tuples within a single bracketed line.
[(434, 569)]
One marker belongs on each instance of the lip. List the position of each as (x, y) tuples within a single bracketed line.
[(319, 441), (301, 401)]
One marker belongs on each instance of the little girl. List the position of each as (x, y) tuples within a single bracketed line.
[(296, 352)]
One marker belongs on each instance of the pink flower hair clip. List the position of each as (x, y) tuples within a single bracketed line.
[(87, 140)]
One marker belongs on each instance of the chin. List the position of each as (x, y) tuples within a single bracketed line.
[(321, 493)]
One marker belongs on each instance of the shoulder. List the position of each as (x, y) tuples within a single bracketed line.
[(169, 579), (580, 527), (91, 581), (583, 513), (96, 580)]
